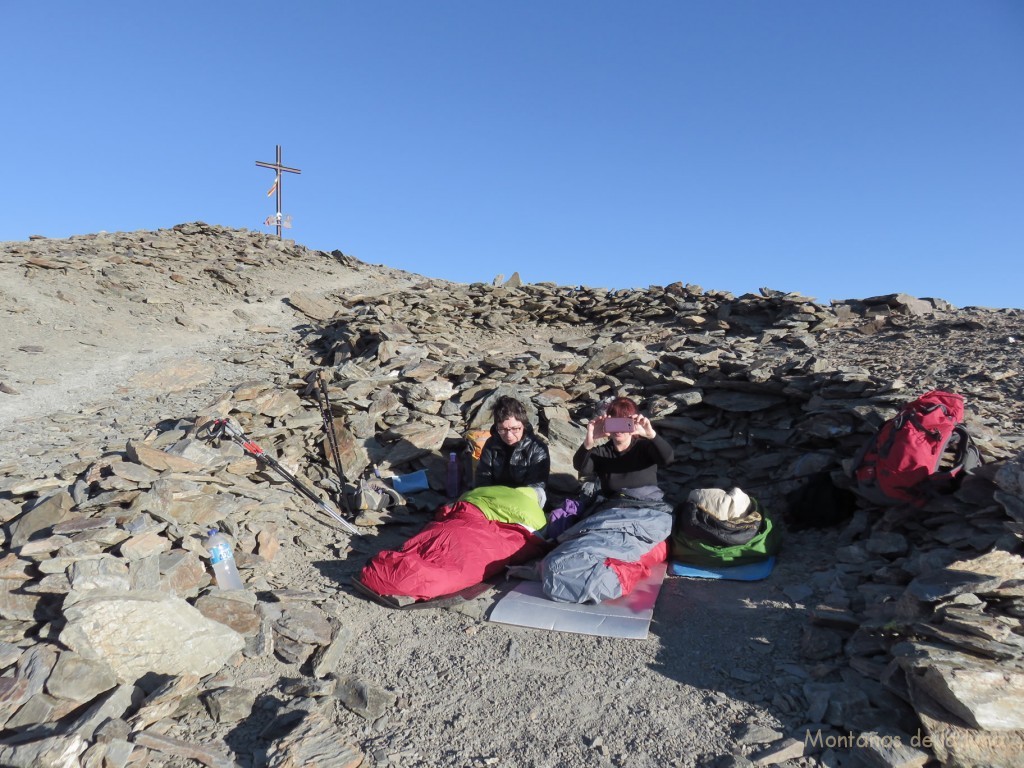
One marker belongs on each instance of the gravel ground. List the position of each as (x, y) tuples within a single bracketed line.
[(720, 673)]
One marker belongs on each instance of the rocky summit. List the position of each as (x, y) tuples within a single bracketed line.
[(891, 637)]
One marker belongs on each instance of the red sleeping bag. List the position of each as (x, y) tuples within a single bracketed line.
[(631, 573), (458, 549)]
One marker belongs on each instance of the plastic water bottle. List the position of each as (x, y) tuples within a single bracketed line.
[(451, 480), (223, 560)]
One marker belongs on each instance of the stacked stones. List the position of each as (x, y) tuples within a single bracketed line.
[(759, 395), (105, 573), (105, 585), (755, 398), (763, 392)]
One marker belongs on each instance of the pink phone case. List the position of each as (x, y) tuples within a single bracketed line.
[(613, 424)]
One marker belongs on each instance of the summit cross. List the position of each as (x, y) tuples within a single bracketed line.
[(277, 187)]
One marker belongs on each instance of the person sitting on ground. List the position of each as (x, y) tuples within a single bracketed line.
[(485, 530), (513, 455), (622, 533), (628, 460)]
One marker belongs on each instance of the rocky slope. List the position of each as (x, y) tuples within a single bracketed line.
[(891, 640)]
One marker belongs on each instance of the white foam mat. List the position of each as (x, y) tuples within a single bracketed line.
[(627, 617)]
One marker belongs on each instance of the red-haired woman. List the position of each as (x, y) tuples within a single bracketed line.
[(629, 460), (605, 554)]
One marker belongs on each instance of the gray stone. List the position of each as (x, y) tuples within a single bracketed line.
[(178, 747), (16, 604), (182, 573), (958, 745), (947, 582), (784, 749), (741, 401), (42, 515), (144, 545), (9, 654), (14, 691), (305, 623), (159, 460), (225, 608), (316, 308), (144, 574), (888, 748), (818, 643), (757, 734), (79, 679), (35, 666), (40, 708), (111, 705), (137, 473), (229, 705), (140, 632), (985, 697), (887, 544), (798, 593), (846, 706), (326, 657), (365, 699), (413, 440), (315, 741), (105, 572), (165, 701), (49, 752), (108, 754)]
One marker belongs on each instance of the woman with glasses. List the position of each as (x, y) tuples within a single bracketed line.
[(477, 536), (513, 455)]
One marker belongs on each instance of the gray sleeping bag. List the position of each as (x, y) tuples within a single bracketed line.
[(575, 572)]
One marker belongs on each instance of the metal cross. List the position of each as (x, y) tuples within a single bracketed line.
[(277, 186)]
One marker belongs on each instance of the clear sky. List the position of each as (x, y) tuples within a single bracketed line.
[(840, 149)]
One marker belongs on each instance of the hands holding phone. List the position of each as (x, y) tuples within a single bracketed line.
[(606, 426)]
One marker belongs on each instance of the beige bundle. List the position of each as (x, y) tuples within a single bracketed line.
[(732, 506)]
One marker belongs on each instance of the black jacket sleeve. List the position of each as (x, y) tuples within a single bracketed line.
[(663, 449), (582, 461), (486, 465)]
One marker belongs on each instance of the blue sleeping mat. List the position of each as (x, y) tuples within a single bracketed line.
[(746, 572)]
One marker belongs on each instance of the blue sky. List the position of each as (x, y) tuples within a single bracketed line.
[(837, 149)]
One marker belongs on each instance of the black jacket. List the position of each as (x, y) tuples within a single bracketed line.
[(525, 463), (635, 467)]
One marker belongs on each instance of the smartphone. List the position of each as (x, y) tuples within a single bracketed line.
[(612, 424)]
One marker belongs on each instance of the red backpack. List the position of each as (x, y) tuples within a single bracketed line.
[(905, 460)]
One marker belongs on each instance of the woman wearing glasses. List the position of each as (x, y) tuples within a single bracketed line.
[(513, 455), (477, 536)]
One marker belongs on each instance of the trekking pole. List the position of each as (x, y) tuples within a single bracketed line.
[(224, 427), (323, 401)]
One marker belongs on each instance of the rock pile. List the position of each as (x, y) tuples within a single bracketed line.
[(763, 391), (104, 575)]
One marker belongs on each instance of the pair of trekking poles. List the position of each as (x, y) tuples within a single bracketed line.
[(225, 428)]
